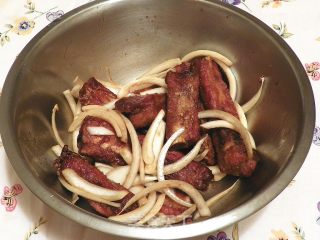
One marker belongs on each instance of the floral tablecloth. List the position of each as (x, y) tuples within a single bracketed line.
[(293, 215)]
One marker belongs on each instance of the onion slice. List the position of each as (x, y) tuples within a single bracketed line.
[(201, 156), (100, 131), (75, 135), (160, 167), (231, 78), (236, 124), (211, 201), (108, 115), (216, 172), (104, 168), (241, 114), (184, 161), (110, 105), (201, 53), (159, 90), (163, 66), (75, 180), (77, 85), (140, 84), (249, 105), (85, 194), (183, 186), (156, 208), (147, 145), (226, 124), (138, 213), (57, 149), (118, 174), (136, 153), (71, 101), (54, 126)]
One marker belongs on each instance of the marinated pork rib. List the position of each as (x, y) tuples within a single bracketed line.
[(182, 105), (195, 173), (94, 93), (103, 148), (229, 147), (84, 169), (141, 110), (172, 208)]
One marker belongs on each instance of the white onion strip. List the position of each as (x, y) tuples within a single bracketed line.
[(185, 160), (119, 174), (85, 194), (57, 149), (242, 116), (138, 213), (77, 85), (235, 122), (156, 208), (78, 108), (126, 154), (140, 84), (163, 220), (159, 90), (104, 168), (75, 198), (216, 172), (108, 115), (158, 141), (226, 124), (249, 105), (231, 78), (71, 101), (54, 126), (183, 186), (201, 156), (147, 145), (141, 170), (75, 180), (211, 201), (110, 105), (201, 53), (136, 153), (163, 66), (160, 167), (75, 135), (100, 131)]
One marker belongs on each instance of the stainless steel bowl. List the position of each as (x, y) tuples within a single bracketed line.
[(129, 37)]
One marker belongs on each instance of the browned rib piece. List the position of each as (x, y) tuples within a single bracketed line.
[(195, 173), (142, 110), (182, 105), (101, 148), (231, 154), (94, 93), (84, 169)]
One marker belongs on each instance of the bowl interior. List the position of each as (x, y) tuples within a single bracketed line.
[(129, 37)]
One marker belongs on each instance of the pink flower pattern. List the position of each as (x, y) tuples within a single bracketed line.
[(8, 199), (313, 70)]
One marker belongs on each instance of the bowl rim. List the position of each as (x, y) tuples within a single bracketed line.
[(99, 223)]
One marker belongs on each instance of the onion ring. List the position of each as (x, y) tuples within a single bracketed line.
[(235, 122), (138, 213), (75, 180), (183, 186), (54, 126), (201, 53)]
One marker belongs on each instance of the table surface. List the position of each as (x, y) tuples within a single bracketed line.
[(294, 214)]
